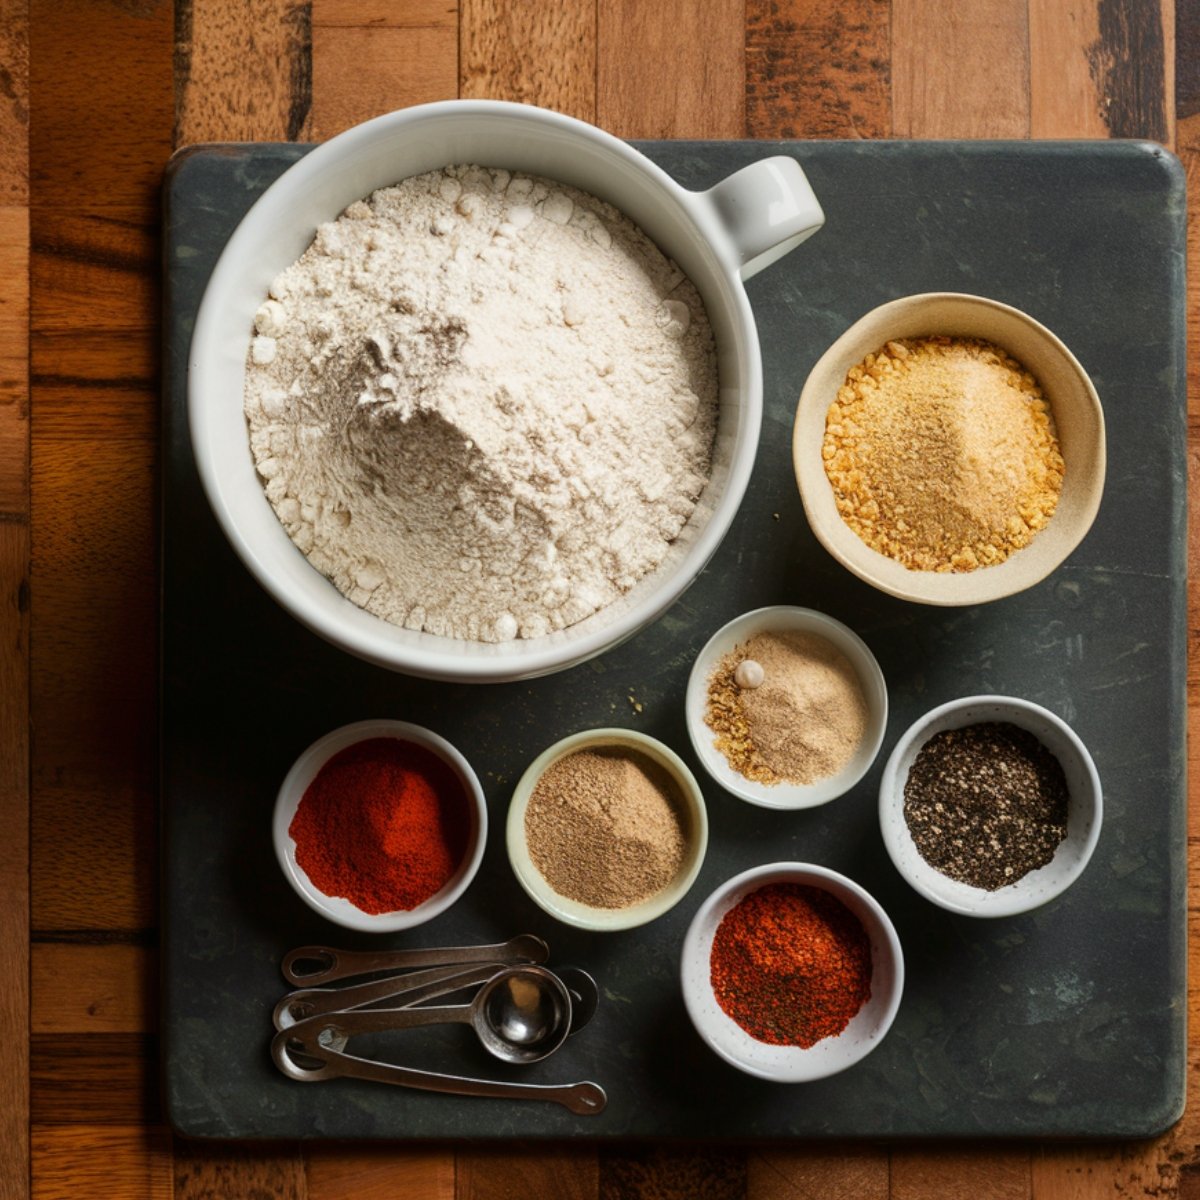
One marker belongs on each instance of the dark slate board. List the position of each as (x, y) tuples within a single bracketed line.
[(1067, 1021)]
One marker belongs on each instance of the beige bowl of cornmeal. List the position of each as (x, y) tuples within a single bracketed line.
[(1079, 422)]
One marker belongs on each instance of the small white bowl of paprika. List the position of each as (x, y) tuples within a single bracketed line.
[(380, 825), (791, 972)]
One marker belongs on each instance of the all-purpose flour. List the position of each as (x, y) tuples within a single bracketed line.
[(482, 404)]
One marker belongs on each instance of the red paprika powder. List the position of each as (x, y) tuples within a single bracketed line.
[(385, 824), (791, 964)]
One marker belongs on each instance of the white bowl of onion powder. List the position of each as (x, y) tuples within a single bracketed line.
[(313, 551)]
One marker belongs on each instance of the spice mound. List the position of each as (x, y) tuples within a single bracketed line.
[(798, 718), (942, 453), (986, 804), (482, 404), (385, 824), (791, 964), (606, 827)]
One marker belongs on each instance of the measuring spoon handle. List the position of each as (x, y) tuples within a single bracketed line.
[(404, 989), (375, 1020), (584, 1099), (309, 966)]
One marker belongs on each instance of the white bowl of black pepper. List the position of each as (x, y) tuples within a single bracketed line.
[(786, 707), (990, 806), (949, 449), (607, 830)]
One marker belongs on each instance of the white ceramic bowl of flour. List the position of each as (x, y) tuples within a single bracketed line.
[(718, 238)]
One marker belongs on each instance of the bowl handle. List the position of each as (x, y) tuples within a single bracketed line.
[(766, 210)]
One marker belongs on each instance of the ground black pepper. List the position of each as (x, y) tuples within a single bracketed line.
[(986, 804)]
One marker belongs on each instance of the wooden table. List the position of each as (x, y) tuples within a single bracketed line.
[(94, 96)]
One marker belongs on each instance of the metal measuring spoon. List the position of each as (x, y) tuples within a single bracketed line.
[(585, 995), (322, 1062), (406, 989), (521, 1015), (308, 966)]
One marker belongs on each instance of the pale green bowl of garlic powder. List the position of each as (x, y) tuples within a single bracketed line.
[(607, 830)]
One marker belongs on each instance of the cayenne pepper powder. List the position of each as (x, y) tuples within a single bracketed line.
[(385, 824), (791, 964)]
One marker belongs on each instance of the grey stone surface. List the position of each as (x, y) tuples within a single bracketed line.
[(1067, 1021)]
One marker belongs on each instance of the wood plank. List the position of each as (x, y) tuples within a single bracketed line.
[(95, 268), (1064, 98), (815, 70), (1103, 1173), (82, 396), (217, 1170), (693, 1173), (103, 126), (93, 328), (562, 1172), (1186, 91), (378, 1173), (860, 1172), (14, 363), (412, 14), (533, 53), (14, 858), (14, 104), (1101, 69), (960, 71), (93, 989), (1133, 63), (361, 72), (931, 1174), (74, 1161), (14, 599), (94, 702), (243, 72), (70, 1073), (657, 78)]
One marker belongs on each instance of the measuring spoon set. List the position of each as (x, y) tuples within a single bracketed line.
[(522, 1011)]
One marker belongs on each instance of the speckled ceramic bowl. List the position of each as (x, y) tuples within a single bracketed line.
[(792, 1064), (1077, 415), (586, 916), (1084, 814)]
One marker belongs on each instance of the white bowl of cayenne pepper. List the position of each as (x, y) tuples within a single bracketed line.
[(990, 806), (949, 449), (791, 972), (380, 825)]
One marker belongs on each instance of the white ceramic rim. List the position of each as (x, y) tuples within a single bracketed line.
[(1037, 887), (791, 1064), (336, 908), (881, 572), (787, 796), (584, 916), (438, 658)]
